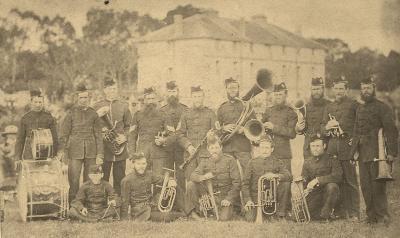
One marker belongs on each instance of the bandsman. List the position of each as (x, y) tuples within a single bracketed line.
[(223, 172), (115, 114), (322, 175), (372, 116), (81, 140), (341, 113)]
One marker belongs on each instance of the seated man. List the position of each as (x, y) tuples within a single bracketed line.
[(223, 171), (136, 190), (322, 175), (265, 164), (95, 200)]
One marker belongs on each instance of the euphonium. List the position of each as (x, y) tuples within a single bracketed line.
[(168, 193), (384, 168), (207, 201), (299, 202), (266, 197), (109, 133)]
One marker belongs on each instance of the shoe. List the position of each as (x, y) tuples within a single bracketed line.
[(195, 217)]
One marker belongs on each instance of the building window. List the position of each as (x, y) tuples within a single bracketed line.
[(217, 44), (313, 52), (251, 47), (283, 50), (312, 71), (284, 72), (217, 68), (170, 72)]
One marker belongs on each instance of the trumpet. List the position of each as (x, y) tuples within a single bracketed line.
[(168, 192), (266, 197), (384, 168), (207, 201), (299, 202), (337, 131)]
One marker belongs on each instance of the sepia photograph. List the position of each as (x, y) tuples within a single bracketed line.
[(199, 118)]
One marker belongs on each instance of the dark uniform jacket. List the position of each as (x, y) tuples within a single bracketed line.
[(195, 123), (81, 133), (136, 188), (284, 119), (147, 124), (119, 113), (226, 178), (31, 121), (325, 168), (258, 167), (172, 124), (228, 113), (156, 157), (94, 197), (345, 113), (315, 110), (370, 117)]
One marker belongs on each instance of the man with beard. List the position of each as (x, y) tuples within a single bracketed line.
[(173, 111), (81, 140), (343, 110), (223, 172), (114, 113), (195, 123), (280, 121), (36, 118), (314, 114), (372, 116)]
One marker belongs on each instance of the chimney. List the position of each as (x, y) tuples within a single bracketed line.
[(259, 19), (242, 27), (178, 24)]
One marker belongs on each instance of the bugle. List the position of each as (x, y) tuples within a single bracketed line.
[(207, 201), (168, 192), (384, 168)]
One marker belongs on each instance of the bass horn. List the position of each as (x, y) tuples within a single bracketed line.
[(384, 168), (253, 130)]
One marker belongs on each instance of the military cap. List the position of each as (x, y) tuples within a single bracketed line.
[(280, 87), (171, 85), (341, 79), (317, 81), (317, 136), (138, 155), (212, 138), (95, 169), (196, 89), (368, 80), (80, 88), (37, 92), (108, 81), (148, 90), (230, 80), (10, 129), (264, 137)]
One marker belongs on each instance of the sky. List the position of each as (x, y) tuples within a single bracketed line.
[(357, 22)]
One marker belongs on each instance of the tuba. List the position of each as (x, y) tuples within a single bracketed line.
[(384, 168), (299, 202), (207, 201), (109, 133), (263, 82), (168, 192), (266, 197), (253, 130)]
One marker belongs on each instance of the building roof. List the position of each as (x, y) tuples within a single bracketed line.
[(210, 26)]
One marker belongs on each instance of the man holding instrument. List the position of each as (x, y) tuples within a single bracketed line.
[(118, 114), (195, 123), (264, 164), (372, 116), (223, 172)]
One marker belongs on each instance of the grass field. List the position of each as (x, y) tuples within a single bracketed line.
[(14, 228)]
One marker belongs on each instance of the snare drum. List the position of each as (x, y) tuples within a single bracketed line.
[(42, 144)]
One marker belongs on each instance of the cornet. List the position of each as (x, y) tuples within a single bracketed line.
[(336, 131), (168, 192)]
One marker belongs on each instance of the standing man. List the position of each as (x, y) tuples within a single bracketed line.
[(315, 109), (36, 118), (195, 123), (371, 116), (81, 140), (114, 113), (322, 175), (173, 111), (343, 113), (280, 121), (223, 172)]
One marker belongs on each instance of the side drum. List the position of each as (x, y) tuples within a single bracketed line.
[(42, 144), (42, 190)]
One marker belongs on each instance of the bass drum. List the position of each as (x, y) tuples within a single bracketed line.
[(42, 190)]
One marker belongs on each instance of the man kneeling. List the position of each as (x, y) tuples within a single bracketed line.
[(264, 164), (95, 199), (322, 174), (222, 171)]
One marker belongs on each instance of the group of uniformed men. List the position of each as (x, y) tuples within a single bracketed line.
[(163, 137)]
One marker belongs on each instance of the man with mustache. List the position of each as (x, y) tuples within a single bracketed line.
[(314, 114), (371, 116), (343, 109)]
